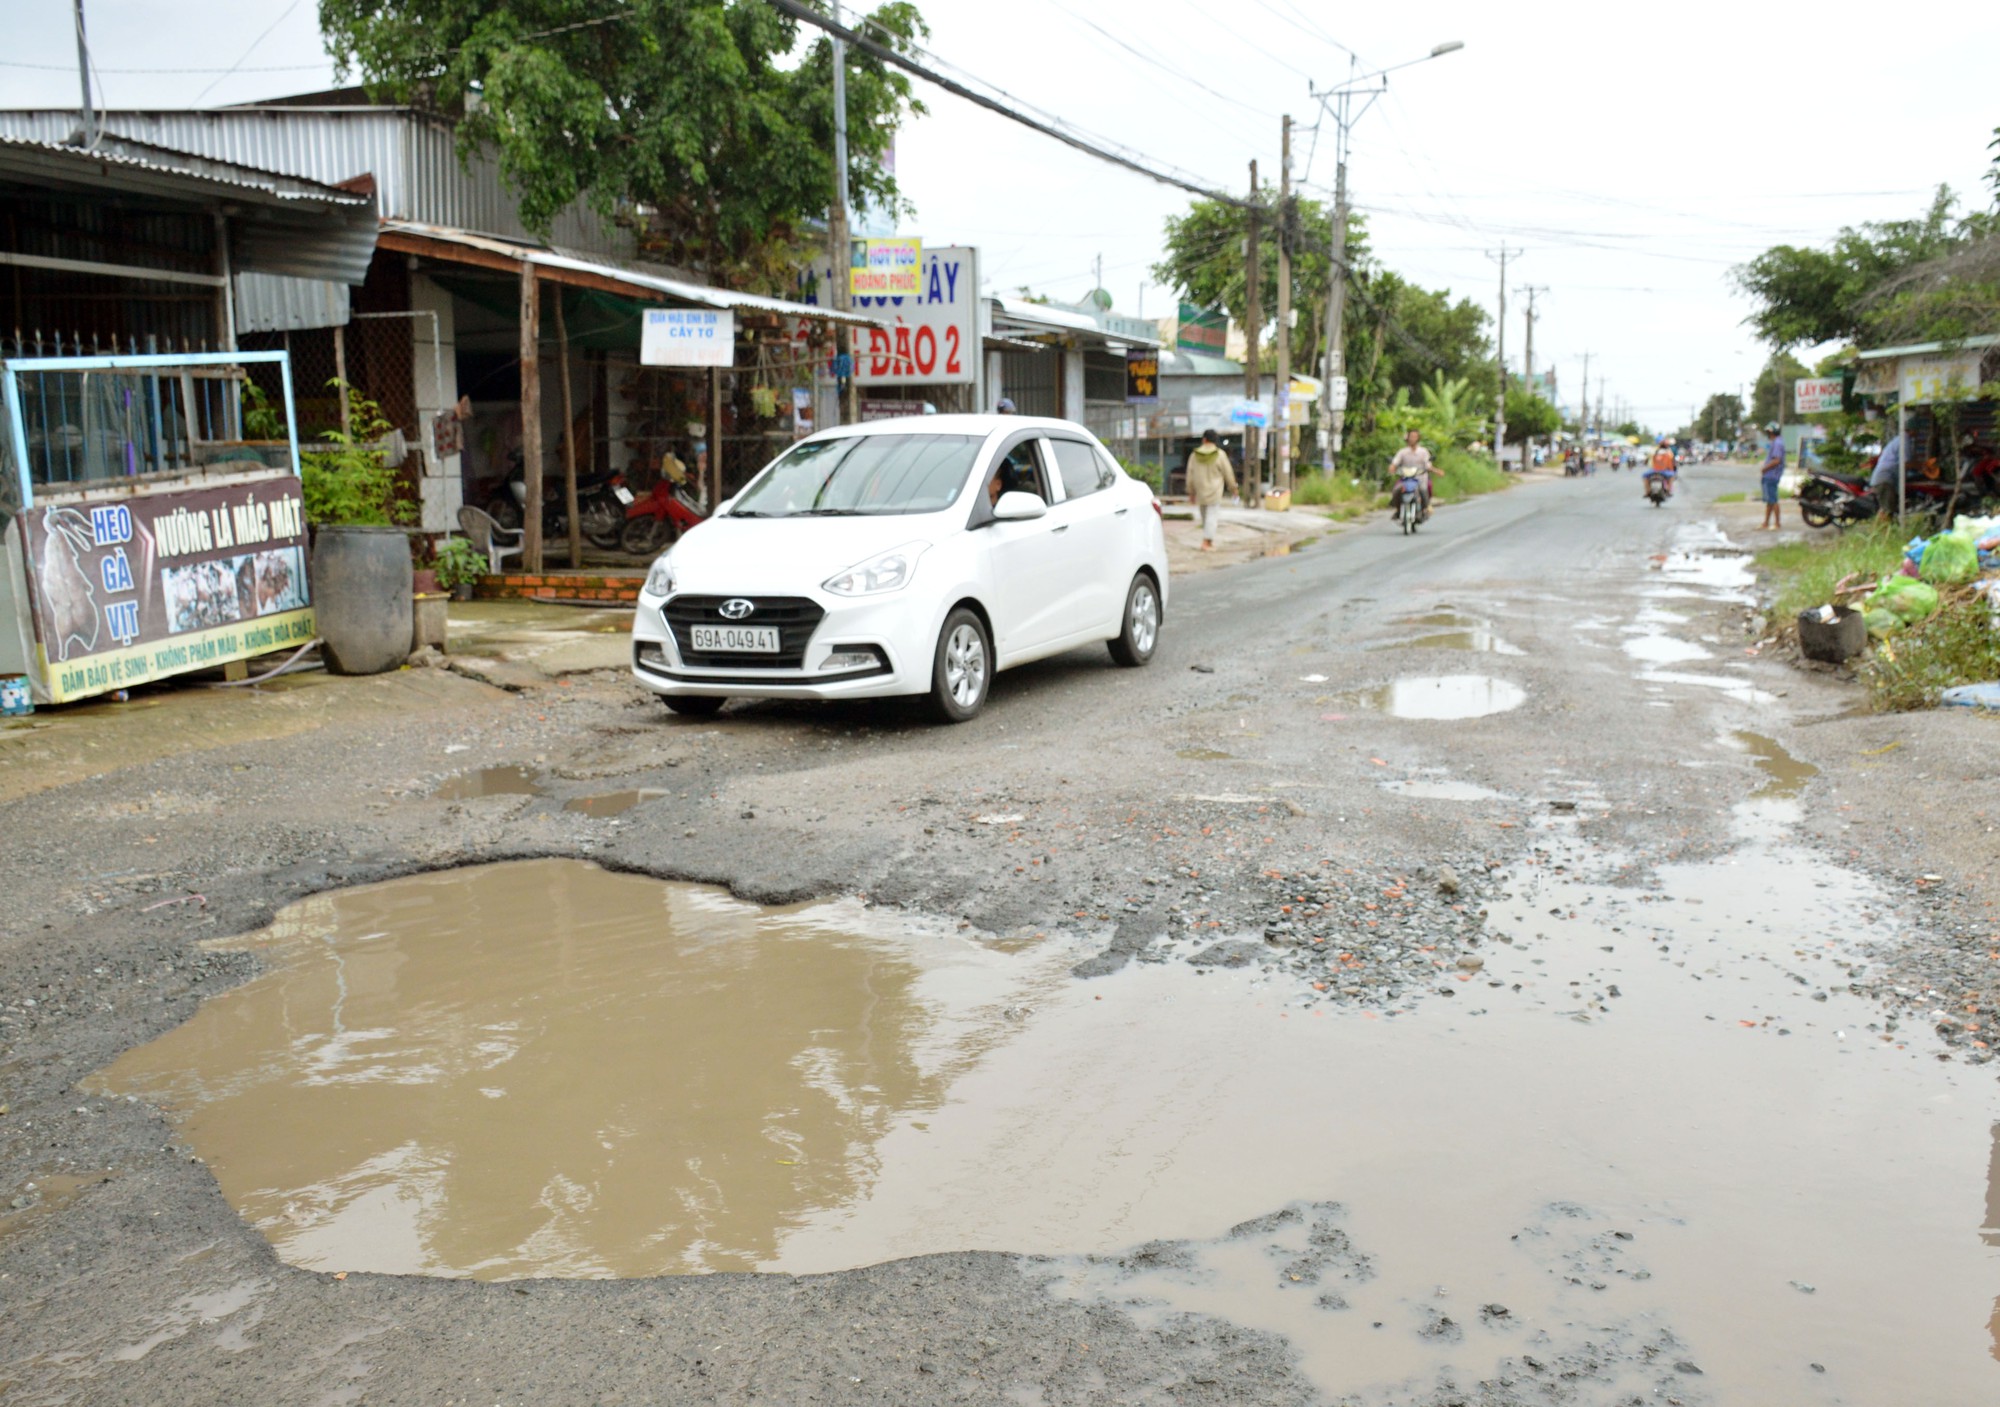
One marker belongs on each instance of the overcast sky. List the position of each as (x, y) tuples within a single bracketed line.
[(1632, 153)]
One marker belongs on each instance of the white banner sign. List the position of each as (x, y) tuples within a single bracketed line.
[(931, 339), (687, 337), (1816, 395)]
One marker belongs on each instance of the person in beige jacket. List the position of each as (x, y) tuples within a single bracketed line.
[(1209, 477)]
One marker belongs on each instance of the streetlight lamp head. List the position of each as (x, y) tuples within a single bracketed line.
[(1448, 47)]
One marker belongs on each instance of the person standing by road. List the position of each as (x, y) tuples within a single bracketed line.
[(1772, 470), (1888, 471), (1209, 477)]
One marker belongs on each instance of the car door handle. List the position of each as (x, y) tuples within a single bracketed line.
[(1121, 512), (1061, 529)]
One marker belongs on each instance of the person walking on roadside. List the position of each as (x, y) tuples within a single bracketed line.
[(1209, 477), (1772, 470)]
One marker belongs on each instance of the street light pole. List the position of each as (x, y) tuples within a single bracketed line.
[(843, 278), (1336, 103)]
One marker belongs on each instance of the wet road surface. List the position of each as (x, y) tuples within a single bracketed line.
[(1470, 1016)]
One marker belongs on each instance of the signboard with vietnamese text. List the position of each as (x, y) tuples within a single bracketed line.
[(687, 337), (131, 588), (1142, 377), (1202, 330), (929, 338), (1816, 395), (1924, 380), (886, 268)]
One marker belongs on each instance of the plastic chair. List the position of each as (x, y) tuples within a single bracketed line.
[(486, 535)]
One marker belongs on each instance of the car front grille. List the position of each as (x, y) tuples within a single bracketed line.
[(795, 617)]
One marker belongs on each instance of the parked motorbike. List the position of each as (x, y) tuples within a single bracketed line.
[(1828, 499), (1658, 487), (601, 501), (657, 521)]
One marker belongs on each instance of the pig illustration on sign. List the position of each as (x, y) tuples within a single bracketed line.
[(72, 599)]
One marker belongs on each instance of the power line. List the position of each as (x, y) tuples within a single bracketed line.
[(884, 54), (283, 15)]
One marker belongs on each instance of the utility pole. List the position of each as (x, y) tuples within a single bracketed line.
[(1583, 405), (83, 72), (1528, 365), (1281, 394), (843, 259), (1253, 376), (1337, 103), (1500, 411)]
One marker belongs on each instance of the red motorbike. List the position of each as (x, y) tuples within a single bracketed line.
[(657, 520)]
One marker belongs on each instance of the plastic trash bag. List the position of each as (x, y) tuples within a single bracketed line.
[(1949, 558), (1882, 622), (1905, 598), (1973, 696)]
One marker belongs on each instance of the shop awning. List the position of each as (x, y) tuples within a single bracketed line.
[(456, 246), (1019, 318)]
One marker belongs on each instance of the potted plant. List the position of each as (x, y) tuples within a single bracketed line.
[(457, 566), (361, 572)]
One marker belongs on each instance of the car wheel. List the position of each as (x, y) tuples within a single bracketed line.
[(962, 671), (1136, 642), (694, 705)]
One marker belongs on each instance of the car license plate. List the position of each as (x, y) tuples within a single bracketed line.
[(623, 494), (736, 639)]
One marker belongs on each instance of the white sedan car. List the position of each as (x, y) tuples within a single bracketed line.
[(914, 556)]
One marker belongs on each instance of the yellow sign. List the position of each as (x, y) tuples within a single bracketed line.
[(156, 659), (886, 268)]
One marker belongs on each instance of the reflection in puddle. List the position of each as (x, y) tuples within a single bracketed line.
[(1662, 649), (1204, 754), (490, 781), (1440, 789), (544, 1068), (1476, 640), (1785, 775), (1445, 696), (614, 803)]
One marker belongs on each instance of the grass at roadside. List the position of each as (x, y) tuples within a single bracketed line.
[(1806, 572), (1960, 644), (1460, 475), (1732, 498)]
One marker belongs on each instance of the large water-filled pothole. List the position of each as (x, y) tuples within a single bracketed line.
[(1439, 697)]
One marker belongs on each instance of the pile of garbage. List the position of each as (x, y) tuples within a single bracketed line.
[(1962, 556)]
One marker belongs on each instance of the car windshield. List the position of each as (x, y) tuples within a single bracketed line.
[(860, 475)]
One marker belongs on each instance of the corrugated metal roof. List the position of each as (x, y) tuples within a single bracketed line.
[(639, 276), (1924, 349), (268, 303), (413, 157)]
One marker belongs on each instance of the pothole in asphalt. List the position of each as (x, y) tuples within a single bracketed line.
[(1478, 640), (490, 781), (1439, 697), (1654, 648), (1785, 775), (613, 803), (1204, 754), (1633, 1127)]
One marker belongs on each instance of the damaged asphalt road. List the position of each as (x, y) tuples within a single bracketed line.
[(1470, 814)]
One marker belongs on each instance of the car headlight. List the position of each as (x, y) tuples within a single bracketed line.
[(889, 572), (660, 578)]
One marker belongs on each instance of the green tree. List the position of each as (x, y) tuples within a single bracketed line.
[(701, 120), (1773, 382), (1720, 418), (1934, 277), (1205, 261), (1529, 417)]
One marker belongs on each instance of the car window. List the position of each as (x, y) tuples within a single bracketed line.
[(1078, 464), (1107, 468), (861, 475), (1019, 470)]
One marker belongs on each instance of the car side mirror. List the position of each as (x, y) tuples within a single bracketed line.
[(1019, 507)]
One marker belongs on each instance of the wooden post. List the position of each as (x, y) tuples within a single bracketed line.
[(715, 438), (569, 439), (531, 419), (340, 375)]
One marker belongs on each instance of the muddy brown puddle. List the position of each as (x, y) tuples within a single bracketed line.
[(1636, 1130)]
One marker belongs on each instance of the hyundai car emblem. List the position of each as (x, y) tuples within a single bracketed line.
[(736, 608)]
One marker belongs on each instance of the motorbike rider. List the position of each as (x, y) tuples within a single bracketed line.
[(1412, 461), (1663, 465)]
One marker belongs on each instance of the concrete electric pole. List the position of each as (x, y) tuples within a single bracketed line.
[(1281, 392), (1253, 375), (1528, 364), (843, 259), (1500, 410)]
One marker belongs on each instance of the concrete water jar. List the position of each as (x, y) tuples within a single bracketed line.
[(361, 580)]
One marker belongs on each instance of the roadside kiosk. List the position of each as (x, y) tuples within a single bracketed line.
[(143, 534)]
